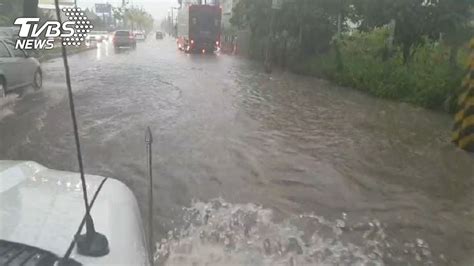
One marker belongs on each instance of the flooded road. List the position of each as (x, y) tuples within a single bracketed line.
[(252, 169)]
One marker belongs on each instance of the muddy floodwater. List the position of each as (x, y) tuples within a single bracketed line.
[(255, 169)]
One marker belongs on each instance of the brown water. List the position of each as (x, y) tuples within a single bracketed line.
[(253, 169)]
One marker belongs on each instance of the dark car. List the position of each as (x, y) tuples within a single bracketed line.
[(17, 69), (124, 38), (159, 35), (140, 36)]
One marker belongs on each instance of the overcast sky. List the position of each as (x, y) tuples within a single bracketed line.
[(157, 8)]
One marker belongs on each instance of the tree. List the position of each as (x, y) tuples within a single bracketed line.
[(312, 22), (453, 22), (417, 19), (118, 15)]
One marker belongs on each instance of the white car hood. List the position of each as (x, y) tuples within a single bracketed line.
[(43, 208)]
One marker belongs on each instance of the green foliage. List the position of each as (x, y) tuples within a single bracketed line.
[(312, 23), (418, 19), (429, 80), (406, 49)]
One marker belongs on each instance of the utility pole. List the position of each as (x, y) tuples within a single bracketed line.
[(340, 17), (276, 5), (300, 22), (268, 52)]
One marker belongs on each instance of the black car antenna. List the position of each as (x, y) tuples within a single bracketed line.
[(91, 243), (149, 148)]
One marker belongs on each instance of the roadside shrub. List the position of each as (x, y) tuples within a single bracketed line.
[(429, 80)]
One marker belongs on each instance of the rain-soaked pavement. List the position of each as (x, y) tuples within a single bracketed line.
[(252, 169)]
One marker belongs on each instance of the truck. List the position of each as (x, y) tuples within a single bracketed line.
[(199, 28)]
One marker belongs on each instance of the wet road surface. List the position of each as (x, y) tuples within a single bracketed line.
[(252, 169)]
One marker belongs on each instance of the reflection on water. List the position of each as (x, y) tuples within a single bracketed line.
[(99, 51), (102, 49)]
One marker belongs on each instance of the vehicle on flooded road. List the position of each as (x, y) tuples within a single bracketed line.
[(105, 35), (305, 164), (124, 39), (18, 69), (140, 36), (94, 38), (97, 36), (9, 33), (33, 201), (159, 35), (199, 28), (93, 41)]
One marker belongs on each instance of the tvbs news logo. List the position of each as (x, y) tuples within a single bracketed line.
[(70, 33)]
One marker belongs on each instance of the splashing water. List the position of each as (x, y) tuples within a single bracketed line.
[(6, 105), (219, 233)]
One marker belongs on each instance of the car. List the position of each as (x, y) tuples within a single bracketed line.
[(9, 33), (92, 41), (18, 69), (159, 35), (98, 35), (124, 38), (94, 36), (41, 210), (140, 36)]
